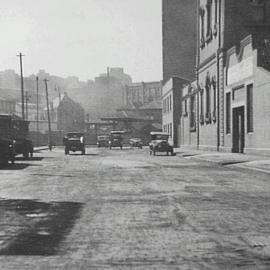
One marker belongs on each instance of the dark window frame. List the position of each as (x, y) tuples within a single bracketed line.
[(250, 117)]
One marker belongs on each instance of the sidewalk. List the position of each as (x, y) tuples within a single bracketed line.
[(252, 162), (40, 148)]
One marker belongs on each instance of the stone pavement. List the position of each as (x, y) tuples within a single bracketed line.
[(252, 162)]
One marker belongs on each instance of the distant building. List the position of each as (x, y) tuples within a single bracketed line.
[(179, 38), (138, 94), (66, 113), (7, 106)]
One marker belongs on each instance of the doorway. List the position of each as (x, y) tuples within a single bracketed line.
[(238, 130)]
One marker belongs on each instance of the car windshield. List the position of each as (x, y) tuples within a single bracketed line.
[(160, 137), (103, 138), (116, 135), (75, 135)]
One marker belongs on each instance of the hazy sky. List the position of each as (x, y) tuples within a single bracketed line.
[(82, 37)]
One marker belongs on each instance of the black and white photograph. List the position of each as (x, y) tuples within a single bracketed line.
[(135, 135)]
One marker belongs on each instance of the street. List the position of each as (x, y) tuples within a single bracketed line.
[(113, 209)]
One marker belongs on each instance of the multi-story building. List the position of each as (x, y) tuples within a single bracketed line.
[(179, 38), (230, 99), (138, 94)]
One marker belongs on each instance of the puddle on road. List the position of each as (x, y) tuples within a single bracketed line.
[(38, 228)]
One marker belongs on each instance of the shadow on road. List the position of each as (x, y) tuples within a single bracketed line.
[(35, 228)]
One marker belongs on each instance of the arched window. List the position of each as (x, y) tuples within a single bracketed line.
[(209, 18), (201, 12)]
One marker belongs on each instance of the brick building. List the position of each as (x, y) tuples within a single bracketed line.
[(179, 38)]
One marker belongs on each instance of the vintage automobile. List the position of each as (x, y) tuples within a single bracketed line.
[(74, 141), (159, 143), (24, 147), (16, 129), (116, 139), (103, 140), (6, 151), (135, 142)]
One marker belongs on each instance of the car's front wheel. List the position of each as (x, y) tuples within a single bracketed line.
[(66, 151)]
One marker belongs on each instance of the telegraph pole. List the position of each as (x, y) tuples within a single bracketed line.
[(22, 87), (37, 110), (48, 112), (27, 98)]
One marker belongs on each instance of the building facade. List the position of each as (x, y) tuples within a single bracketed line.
[(233, 63), (172, 107), (138, 94)]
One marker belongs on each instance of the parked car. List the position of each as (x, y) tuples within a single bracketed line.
[(159, 143), (24, 147), (136, 142), (6, 151), (103, 141), (74, 141), (116, 139)]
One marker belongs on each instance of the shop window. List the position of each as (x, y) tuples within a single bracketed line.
[(250, 127), (228, 113)]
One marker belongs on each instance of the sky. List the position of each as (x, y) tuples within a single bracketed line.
[(82, 37)]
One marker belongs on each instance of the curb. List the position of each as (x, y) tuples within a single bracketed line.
[(236, 164)]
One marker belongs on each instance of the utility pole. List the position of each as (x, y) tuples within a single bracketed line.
[(37, 110), (59, 115), (22, 87), (27, 98), (48, 112)]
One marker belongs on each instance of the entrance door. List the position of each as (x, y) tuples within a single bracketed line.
[(238, 130)]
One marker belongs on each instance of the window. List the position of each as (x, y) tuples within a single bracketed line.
[(228, 113), (192, 113), (209, 18), (185, 108), (202, 26), (215, 99), (170, 102), (201, 106), (170, 129), (208, 96), (250, 108)]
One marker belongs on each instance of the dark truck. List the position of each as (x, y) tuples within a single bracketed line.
[(74, 141), (16, 130)]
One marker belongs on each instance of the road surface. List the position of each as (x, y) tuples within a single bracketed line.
[(113, 209)]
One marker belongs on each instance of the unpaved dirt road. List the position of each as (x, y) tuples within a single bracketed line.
[(128, 210)]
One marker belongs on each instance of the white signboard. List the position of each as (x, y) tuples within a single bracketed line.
[(240, 71)]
